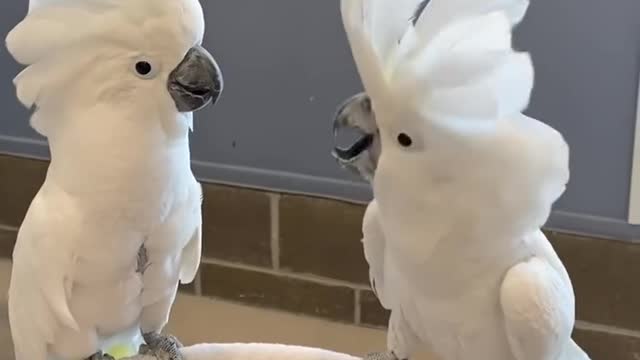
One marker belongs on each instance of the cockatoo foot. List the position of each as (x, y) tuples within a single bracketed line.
[(388, 355), (162, 347), (100, 356)]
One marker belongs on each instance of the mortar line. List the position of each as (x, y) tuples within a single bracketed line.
[(305, 277), (608, 329), (357, 316), (198, 284), (358, 288), (274, 204), (9, 228)]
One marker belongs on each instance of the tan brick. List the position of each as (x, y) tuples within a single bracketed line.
[(605, 278), (20, 180), (261, 289), (237, 225), (322, 237), (7, 242), (604, 346), (371, 312)]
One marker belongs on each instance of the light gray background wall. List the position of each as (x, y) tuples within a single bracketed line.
[(287, 65)]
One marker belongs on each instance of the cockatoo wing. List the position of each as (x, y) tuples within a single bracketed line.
[(191, 254), (173, 252), (42, 277), (538, 310), (374, 252)]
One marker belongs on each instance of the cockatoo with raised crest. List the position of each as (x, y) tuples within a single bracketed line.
[(462, 182), (117, 223)]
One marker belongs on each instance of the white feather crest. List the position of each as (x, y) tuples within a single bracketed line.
[(468, 71), (55, 25), (59, 39), (52, 26), (438, 13), (456, 62)]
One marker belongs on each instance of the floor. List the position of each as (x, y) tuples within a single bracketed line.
[(197, 319)]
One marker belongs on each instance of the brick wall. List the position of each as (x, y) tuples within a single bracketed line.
[(303, 254)]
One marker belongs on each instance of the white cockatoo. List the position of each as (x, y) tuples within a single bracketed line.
[(117, 222), (462, 183)]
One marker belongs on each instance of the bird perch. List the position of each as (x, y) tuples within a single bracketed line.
[(255, 351)]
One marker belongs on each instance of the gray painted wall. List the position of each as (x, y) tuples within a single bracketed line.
[(287, 66)]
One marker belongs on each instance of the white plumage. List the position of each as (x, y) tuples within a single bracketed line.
[(117, 222), (462, 186)]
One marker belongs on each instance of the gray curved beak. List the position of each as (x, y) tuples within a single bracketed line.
[(356, 113), (196, 82), (361, 156)]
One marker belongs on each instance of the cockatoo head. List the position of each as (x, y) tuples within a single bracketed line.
[(386, 23), (457, 154), (140, 57), (356, 113), (442, 97)]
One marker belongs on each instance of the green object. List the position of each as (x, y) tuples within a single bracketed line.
[(122, 351)]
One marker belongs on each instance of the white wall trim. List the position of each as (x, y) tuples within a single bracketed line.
[(634, 195)]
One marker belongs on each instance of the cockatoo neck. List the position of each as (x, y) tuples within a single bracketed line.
[(456, 189), (117, 147)]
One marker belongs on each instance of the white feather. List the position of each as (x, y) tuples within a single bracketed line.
[(119, 177), (438, 14), (460, 208)]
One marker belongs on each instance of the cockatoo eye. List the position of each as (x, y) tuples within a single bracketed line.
[(404, 140), (145, 69)]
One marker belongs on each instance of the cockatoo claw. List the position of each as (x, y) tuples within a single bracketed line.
[(100, 356), (382, 356), (162, 347)]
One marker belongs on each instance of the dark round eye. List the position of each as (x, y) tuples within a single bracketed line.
[(404, 140), (143, 68)]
